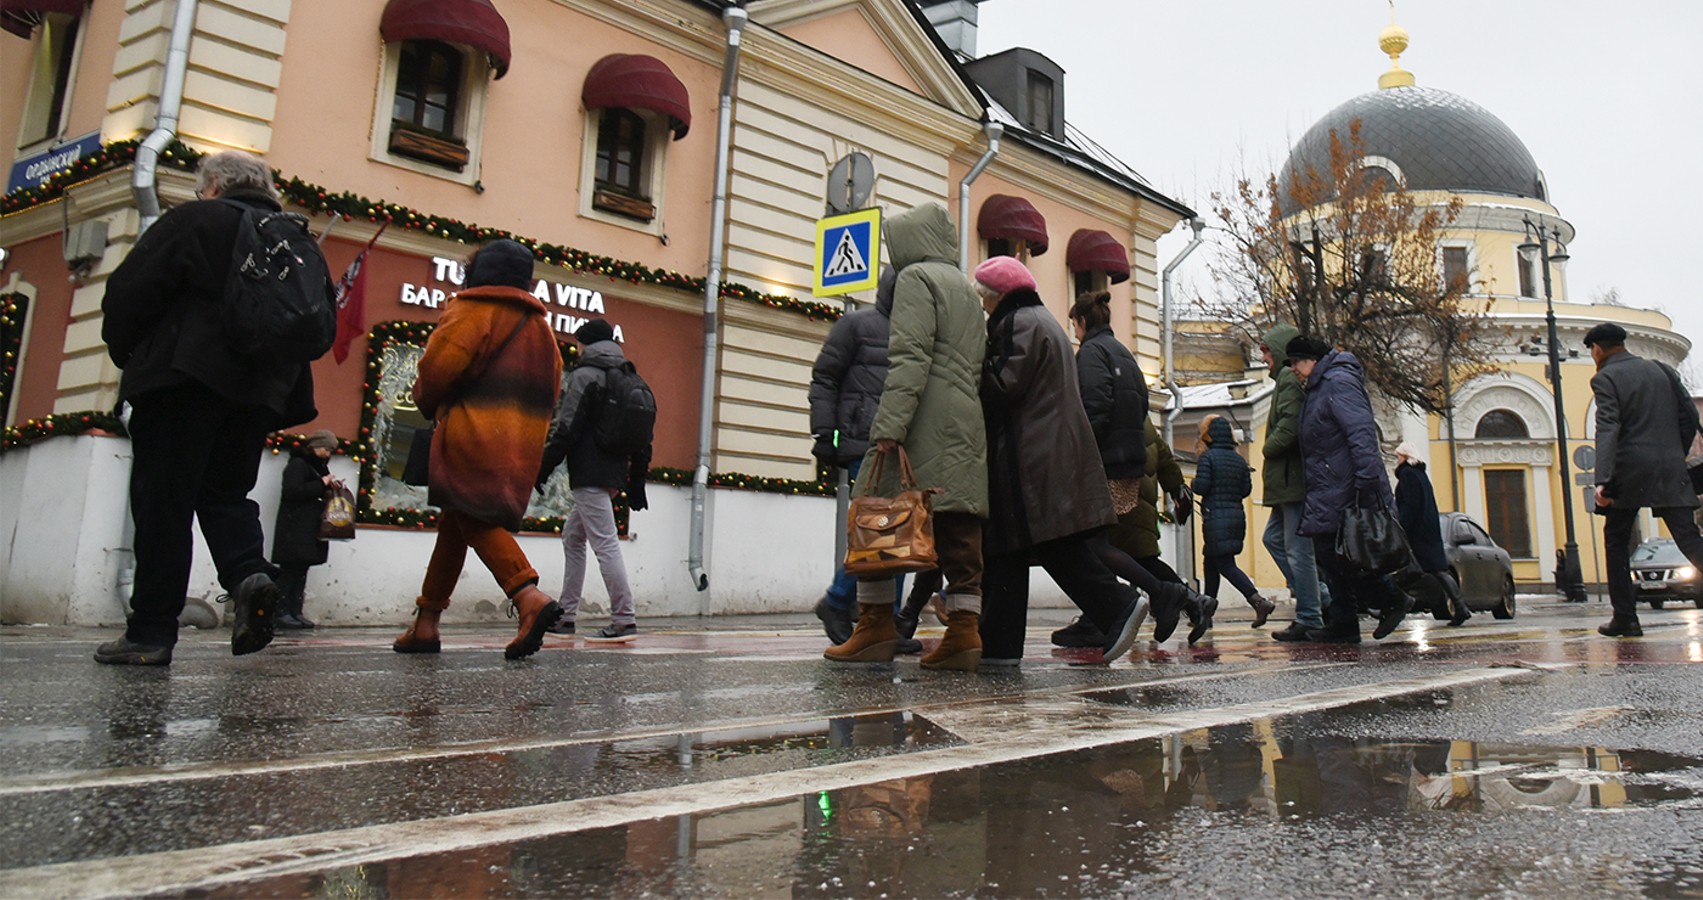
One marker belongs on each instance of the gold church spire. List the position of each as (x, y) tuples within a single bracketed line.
[(1393, 40)]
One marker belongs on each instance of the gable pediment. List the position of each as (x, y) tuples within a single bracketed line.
[(881, 37)]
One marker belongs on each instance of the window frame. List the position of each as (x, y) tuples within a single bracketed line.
[(472, 99), (1097, 281), (1467, 247), (55, 117), (1034, 118), (422, 69), (617, 209)]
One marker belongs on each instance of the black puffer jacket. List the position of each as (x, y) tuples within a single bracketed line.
[(1114, 393), (161, 315), (845, 385), (301, 502)]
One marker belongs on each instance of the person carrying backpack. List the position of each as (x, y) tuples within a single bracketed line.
[(205, 388), (603, 430)]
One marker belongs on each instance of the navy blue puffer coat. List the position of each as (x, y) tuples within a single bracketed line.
[(1339, 443), (1222, 481)]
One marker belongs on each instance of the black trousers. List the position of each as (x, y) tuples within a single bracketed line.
[(196, 456), (292, 584), (1071, 562), (1617, 528), (1349, 588)]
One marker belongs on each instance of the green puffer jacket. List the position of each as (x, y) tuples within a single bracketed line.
[(1283, 479), (1164, 474), (930, 403)]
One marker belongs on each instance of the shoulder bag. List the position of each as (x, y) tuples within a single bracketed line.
[(889, 535)]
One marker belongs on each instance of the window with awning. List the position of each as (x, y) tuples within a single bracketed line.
[(1012, 219), (1097, 251), (635, 104), (470, 23), (638, 82)]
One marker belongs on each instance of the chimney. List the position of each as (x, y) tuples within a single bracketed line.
[(955, 22)]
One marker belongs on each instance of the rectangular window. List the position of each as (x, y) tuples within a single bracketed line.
[(1040, 99), (1505, 508), (1455, 269), (1372, 266), (1528, 276), (1001, 247), (50, 80), (1089, 282)]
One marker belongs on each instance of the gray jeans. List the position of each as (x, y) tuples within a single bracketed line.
[(1293, 553), (592, 521)]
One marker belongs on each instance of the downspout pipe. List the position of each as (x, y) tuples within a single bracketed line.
[(1168, 314), (145, 175), (994, 132), (734, 18)]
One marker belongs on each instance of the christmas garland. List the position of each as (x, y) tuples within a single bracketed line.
[(348, 205), (14, 309), (60, 424)]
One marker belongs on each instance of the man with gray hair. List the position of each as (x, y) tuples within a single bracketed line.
[(200, 411)]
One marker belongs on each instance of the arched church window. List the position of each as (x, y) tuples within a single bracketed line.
[(1503, 424)]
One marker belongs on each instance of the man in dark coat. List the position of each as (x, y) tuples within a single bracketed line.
[(1645, 426), (1283, 487), (200, 413), (1339, 444), (845, 391)]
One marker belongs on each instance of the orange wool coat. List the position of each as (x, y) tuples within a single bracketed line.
[(490, 435)]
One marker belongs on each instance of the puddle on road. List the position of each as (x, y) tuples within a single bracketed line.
[(1202, 811)]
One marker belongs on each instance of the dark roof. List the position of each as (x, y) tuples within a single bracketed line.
[(1441, 141)]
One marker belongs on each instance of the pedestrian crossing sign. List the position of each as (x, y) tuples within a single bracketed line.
[(848, 253)]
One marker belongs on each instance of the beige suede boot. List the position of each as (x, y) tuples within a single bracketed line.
[(961, 649), (875, 639)]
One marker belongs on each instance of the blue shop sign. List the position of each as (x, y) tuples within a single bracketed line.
[(34, 170)]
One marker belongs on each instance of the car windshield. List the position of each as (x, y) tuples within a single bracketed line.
[(1662, 552)]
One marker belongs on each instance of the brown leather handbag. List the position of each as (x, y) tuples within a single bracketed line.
[(890, 535)]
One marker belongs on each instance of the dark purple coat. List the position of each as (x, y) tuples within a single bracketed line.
[(1339, 444)]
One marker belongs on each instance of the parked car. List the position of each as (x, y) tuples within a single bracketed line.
[(1485, 571), (1662, 573)]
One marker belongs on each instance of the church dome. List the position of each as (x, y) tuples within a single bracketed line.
[(1439, 141)]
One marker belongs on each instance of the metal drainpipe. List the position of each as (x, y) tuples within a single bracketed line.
[(1168, 314), (994, 131), (145, 174), (734, 18)]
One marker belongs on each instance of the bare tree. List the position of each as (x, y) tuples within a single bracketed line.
[(1351, 255)]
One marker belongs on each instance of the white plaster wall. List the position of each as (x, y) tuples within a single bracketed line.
[(64, 550)]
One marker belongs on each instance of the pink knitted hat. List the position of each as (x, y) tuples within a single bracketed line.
[(1004, 274)]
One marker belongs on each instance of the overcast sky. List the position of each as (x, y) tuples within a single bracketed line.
[(1604, 95)]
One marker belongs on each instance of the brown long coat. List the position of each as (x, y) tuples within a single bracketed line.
[(1045, 480), (490, 436)]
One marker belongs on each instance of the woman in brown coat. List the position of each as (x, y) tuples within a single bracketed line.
[(489, 379)]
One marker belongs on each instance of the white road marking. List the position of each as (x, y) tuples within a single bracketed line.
[(206, 868)]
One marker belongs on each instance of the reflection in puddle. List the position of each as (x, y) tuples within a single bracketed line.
[(1092, 822)]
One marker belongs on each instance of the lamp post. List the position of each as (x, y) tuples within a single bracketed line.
[(1538, 251)]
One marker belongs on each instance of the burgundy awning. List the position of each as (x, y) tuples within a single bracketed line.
[(1010, 218), (21, 16), (635, 81), (1097, 251), (471, 23)]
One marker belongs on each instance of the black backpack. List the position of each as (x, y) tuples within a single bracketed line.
[(280, 306), (626, 412)]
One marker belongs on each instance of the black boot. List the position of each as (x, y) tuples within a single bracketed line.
[(290, 616)]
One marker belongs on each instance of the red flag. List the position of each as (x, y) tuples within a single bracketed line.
[(352, 301)]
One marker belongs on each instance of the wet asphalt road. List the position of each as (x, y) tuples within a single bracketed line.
[(725, 758)]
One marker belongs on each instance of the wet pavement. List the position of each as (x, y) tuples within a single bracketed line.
[(726, 758)]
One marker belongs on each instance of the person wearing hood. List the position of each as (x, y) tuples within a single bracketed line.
[(489, 379), (845, 390), (296, 545), (1048, 497), (596, 476), (1416, 510), (1344, 469), (929, 405), (1222, 481), (1283, 482)]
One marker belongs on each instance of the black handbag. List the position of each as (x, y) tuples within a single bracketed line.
[(417, 470), (1371, 540)]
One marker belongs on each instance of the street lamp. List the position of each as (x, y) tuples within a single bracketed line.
[(1537, 251)]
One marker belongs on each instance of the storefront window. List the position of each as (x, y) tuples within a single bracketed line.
[(396, 419)]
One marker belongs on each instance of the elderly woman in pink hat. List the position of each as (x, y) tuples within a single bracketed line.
[(1046, 486)]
